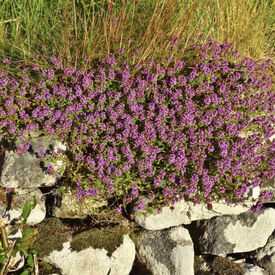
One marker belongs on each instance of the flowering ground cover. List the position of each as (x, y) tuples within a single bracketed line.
[(194, 129), (146, 106)]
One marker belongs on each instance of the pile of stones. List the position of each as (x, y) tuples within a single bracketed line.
[(191, 239)]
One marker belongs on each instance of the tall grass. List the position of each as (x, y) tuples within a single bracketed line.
[(77, 28), (249, 25)]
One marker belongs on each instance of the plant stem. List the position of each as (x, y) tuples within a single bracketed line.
[(4, 270), (4, 233)]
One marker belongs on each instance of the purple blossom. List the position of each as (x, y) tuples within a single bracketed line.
[(50, 169), (6, 60), (140, 205), (175, 131)]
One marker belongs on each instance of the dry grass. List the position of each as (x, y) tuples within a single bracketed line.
[(78, 28)]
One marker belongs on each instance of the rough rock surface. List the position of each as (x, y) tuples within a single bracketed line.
[(270, 187), (237, 233), (14, 211), (167, 251), (251, 269), (28, 171), (186, 212), (92, 261), (266, 255), (73, 209)]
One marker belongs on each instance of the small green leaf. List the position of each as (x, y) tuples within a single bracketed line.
[(2, 259), (34, 252), (25, 272), (30, 260), (22, 248), (46, 265), (14, 251), (26, 209)]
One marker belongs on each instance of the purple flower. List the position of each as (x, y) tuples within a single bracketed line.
[(50, 169), (256, 207), (121, 51), (8, 190), (158, 181), (119, 209), (174, 41), (140, 205), (6, 60), (86, 59)]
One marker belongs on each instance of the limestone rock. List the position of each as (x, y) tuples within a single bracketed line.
[(92, 261), (71, 208), (237, 233), (266, 255), (28, 171), (86, 262), (251, 269), (254, 193), (123, 257), (270, 187), (167, 251), (186, 212), (37, 214)]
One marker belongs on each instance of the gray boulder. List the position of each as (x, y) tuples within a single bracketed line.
[(237, 233), (28, 171), (167, 252), (270, 187), (73, 209), (266, 255), (92, 261), (19, 198), (185, 212), (251, 269)]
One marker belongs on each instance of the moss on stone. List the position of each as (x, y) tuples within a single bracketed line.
[(198, 261), (51, 236), (224, 266), (109, 238)]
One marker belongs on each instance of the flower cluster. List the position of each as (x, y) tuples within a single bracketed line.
[(196, 130)]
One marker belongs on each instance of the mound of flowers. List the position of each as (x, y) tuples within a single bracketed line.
[(196, 129)]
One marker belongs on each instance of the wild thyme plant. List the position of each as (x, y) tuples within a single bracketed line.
[(195, 129)]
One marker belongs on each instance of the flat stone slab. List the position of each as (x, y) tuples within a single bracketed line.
[(186, 212)]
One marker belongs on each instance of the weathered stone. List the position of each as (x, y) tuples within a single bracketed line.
[(254, 193), (237, 233), (266, 255), (270, 187), (28, 171), (167, 251), (123, 258), (71, 208), (186, 212), (251, 269), (92, 261), (37, 214)]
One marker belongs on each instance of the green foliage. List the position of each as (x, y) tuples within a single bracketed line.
[(25, 244)]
